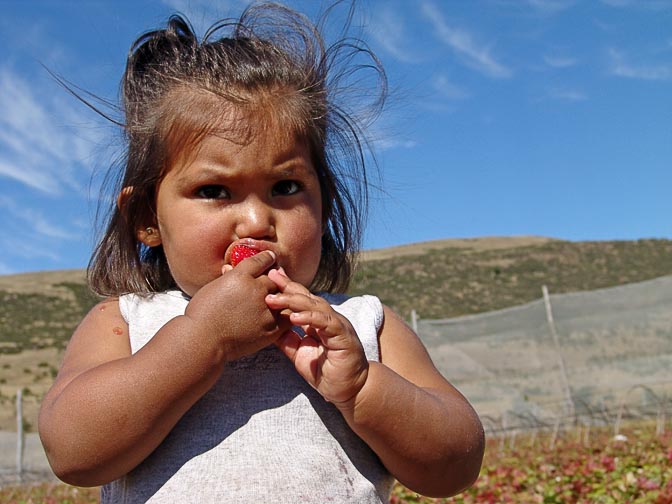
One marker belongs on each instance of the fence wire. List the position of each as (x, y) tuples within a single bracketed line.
[(615, 344)]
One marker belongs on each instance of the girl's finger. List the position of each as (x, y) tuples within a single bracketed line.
[(278, 278), (289, 343), (304, 353), (317, 320), (296, 302), (257, 264), (333, 332), (285, 284)]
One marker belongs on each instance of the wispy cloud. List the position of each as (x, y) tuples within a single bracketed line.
[(20, 246), (387, 135), (567, 95), (388, 29), (550, 7), (446, 89), (473, 54), (186, 6), (622, 67), (655, 5), (560, 61), (35, 235), (33, 220), (38, 145), (27, 175), (385, 144), (545, 8)]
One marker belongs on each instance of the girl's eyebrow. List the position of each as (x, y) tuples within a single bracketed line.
[(288, 168), (203, 172), (293, 162), (293, 167)]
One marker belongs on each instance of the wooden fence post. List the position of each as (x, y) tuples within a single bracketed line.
[(20, 437), (571, 409)]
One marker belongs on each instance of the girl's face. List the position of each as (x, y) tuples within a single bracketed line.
[(263, 193)]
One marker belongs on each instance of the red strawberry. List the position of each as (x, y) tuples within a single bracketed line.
[(241, 252)]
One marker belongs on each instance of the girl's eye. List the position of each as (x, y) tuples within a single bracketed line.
[(286, 188), (212, 192)]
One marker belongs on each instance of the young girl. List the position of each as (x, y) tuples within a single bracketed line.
[(199, 379)]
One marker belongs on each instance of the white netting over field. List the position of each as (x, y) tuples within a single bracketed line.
[(616, 346)]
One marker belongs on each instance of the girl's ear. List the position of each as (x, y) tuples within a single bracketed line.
[(149, 236)]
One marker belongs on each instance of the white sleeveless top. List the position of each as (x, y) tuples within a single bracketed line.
[(261, 434)]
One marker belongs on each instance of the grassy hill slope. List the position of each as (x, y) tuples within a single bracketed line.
[(447, 281)]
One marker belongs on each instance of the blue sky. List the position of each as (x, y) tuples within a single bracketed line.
[(507, 117)]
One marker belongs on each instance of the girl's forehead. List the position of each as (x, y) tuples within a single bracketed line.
[(230, 126), (272, 146)]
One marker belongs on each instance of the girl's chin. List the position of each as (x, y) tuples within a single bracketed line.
[(190, 292), (190, 289)]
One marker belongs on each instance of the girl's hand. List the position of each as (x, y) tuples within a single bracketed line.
[(232, 308), (424, 431), (330, 356)]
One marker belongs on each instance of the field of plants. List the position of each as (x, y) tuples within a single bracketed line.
[(634, 467)]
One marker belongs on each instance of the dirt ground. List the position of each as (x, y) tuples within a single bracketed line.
[(35, 467), (33, 371)]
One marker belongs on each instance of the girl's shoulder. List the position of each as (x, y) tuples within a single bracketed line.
[(100, 337)]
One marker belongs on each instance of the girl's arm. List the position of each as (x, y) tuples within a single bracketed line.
[(108, 409), (421, 427)]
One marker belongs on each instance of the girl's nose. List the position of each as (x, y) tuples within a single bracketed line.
[(255, 219)]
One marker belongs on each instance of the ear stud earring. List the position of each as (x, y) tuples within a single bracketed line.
[(150, 236)]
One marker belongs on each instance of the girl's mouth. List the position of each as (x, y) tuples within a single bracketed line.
[(247, 247), (241, 251)]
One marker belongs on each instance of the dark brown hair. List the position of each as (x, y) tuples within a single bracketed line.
[(273, 65)]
